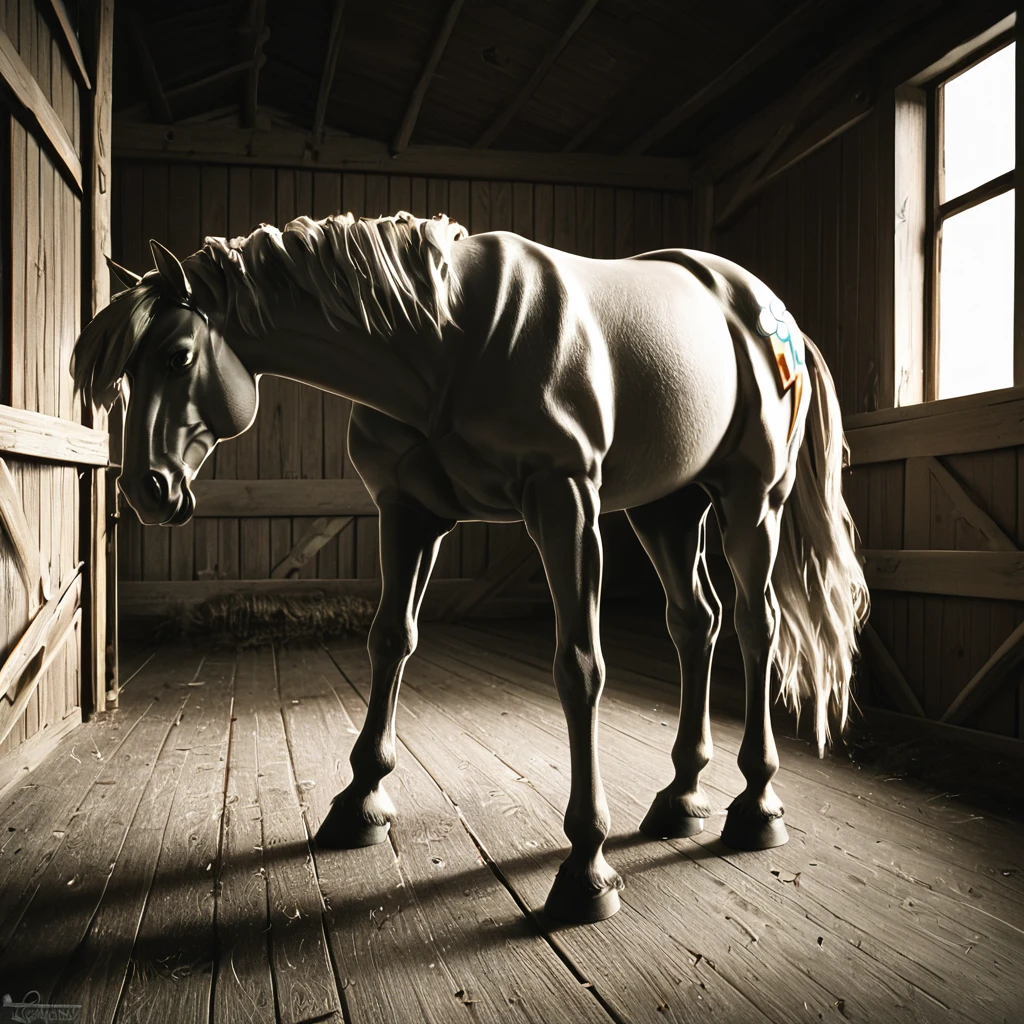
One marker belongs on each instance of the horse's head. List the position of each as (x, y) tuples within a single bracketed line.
[(184, 388)]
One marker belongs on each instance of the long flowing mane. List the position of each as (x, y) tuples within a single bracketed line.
[(369, 272)]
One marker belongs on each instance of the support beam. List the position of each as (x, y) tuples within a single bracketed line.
[(516, 565), (988, 679), (329, 70), (994, 574), (36, 108), (748, 185), (965, 507), (69, 41), (501, 122), (973, 423), (159, 106), (165, 599), (35, 435), (260, 34), (412, 112), (321, 530), (887, 672), (775, 42), (98, 531), (283, 148), (748, 138), (259, 498), (803, 140)]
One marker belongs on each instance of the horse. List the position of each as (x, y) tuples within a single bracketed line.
[(496, 379)]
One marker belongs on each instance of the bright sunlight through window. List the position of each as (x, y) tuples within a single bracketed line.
[(974, 334)]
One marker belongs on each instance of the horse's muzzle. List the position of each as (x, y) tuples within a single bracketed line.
[(186, 508), (159, 497)]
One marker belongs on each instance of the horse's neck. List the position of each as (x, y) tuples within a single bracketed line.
[(393, 375)]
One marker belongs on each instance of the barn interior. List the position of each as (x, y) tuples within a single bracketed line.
[(177, 705)]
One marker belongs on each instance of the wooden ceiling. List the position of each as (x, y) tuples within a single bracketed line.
[(656, 77)]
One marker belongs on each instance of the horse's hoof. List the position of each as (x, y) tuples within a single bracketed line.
[(575, 900), (670, 818), (747, 829), (343, 830)]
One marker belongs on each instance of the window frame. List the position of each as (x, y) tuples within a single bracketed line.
[(939, 212)]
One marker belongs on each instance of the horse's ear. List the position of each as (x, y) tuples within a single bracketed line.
[(171, 272), (122, 275)]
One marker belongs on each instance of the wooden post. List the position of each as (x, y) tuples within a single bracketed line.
[(1018, 245), (98, 539)]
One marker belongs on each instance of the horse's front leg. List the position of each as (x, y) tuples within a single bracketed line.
[(409, 540), (561, 516)]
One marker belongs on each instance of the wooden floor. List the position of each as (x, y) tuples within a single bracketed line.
[(157, 867)]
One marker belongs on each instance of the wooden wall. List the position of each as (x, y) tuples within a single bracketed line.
[(43, 285), (300, 432), (821, 235)]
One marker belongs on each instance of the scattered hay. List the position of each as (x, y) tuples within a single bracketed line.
[(259, 620)]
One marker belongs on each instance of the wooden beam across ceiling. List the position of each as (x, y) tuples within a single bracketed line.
[(501, 122), (412, 112), (291, 148), (260, 33), (329, 69), (775, 42), (161, 109)]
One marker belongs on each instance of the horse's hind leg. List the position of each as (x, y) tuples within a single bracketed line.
[(673, 533), (750, 517)]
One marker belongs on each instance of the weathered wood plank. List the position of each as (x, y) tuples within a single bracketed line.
[(96, 974), (22, 83), (939, 430), (387, 901), (1004, 659), (283, 148), (304, 984), (39, 436), (996, 574), (168, 598), (243, 987), (175, 952), (86, 823), (320, 531), (257, 498)]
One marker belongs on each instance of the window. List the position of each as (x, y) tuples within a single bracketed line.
[(972, 226)]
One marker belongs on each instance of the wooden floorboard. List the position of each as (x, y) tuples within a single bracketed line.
[(870, 929), (159, 865)]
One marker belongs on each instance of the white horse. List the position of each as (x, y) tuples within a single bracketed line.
[(496, 379)]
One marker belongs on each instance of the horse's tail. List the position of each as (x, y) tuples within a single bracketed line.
[(818, 577)]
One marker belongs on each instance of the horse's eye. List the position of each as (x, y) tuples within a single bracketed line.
[(181, 359)]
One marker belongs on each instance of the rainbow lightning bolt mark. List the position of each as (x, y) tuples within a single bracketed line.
[(777, 324)]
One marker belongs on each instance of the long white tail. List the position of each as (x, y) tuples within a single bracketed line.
[(818, 576)]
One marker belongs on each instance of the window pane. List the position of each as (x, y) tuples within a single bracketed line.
[(976, 299), (978, 123)]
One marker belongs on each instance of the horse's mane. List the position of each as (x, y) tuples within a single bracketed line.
[(372, 273)]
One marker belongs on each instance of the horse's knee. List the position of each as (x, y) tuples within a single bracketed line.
[(757, 621), (392, 642), (696, 620), (579, 673)]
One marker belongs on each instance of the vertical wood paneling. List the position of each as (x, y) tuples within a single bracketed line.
[(44, 282)]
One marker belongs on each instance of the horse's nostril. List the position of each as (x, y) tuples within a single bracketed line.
[(157, 487)]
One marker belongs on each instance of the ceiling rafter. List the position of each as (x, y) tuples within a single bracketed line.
[(412, 111), (771, 45), (158, 104), (329, 69), (260, 34), (501, 122)]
